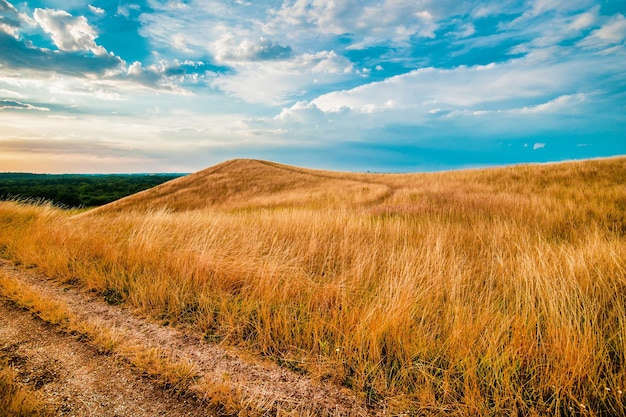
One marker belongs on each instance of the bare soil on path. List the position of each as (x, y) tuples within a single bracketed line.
[(78, 379)]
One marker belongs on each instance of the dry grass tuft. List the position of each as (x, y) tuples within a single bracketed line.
[(17, 401), (486, 292)]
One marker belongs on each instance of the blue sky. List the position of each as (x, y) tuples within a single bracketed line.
[(386, 85)]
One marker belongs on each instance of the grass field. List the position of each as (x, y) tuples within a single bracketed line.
[(482, 292)]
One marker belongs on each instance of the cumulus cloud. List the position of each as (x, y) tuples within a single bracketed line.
[(370, 22), (68, 33), (11, 20), (77, 53), (24, 55), (8, 21), (170, 75), (302, 112)]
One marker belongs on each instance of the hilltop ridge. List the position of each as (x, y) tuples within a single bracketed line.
[(241, 183)]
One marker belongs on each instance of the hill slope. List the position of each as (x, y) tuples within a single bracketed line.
[(242, 183)]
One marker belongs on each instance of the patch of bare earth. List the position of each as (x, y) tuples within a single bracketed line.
[(75, 379), (82, 382)]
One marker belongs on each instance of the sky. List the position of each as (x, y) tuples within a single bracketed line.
[(106, 86)]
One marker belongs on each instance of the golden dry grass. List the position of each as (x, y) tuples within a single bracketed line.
[(16, 400), (485, 292)]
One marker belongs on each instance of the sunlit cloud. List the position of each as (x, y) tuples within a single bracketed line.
[(96, 10), (68, 33), (391, 83)]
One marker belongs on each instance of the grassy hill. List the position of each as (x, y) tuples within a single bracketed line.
[(481, 292), (240, 184)]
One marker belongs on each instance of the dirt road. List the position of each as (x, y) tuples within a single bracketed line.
[(80, 381), (75, 379)]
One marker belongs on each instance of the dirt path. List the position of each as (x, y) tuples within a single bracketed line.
[(86, 383), (75, 379)]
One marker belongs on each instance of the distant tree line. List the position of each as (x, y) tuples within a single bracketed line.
[(77, 190)]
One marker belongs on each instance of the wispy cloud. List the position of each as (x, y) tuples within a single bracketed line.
[(96, 10), (17, 105), (612, 33)]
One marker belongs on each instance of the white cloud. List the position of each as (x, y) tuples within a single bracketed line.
[(558, 22), (486, 9), (228, 48), (8, 25), (303, 55), (467, 29), (11, 93), (370, 22), (96, 10), (461, 87), (125, 10), (274, 82), (12, 20), (135, 68), (488, 99), (68, 33), (585, 20), (543, 6), (560, 103), (609, 38), (17, 105), (229, 32), (614, 31), (302, 112)]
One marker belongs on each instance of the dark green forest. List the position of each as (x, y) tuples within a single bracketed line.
[(77, 190)]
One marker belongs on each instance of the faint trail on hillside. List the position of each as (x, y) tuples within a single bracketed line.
[(263, 385), (339, 176)]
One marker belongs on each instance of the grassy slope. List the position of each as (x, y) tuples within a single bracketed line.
[(252, 184), (486, 291)]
